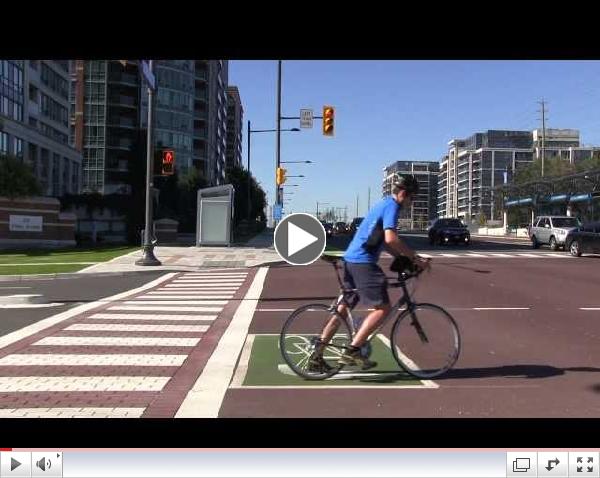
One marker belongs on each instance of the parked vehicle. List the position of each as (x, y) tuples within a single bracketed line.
[(340, 228), (354, 225), (328, 228), (449, 230), (584, 240), (552, 230)]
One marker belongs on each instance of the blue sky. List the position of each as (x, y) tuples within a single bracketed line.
[(399, 110)]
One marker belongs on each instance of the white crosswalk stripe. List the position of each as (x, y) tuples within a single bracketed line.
[(96, 360), (138, 328), (120, 341), (208, 281), (175, 302), (214, 276), (73, 412), (82, 384), (197, 287), (163, 308), (496, 255), (189, 296), (157, 317)]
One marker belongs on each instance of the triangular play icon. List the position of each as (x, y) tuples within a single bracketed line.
[(298, 239)]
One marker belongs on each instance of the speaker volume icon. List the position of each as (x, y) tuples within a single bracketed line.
[(43, 464)]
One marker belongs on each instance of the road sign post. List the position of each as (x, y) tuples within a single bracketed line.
[(148, 258)]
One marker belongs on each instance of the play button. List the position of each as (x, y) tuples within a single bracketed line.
[(300, 239), (14, 464)]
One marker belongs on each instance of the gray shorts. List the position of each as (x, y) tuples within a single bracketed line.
[(370, 282)]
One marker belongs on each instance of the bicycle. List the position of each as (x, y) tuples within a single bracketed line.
[(414, 353)]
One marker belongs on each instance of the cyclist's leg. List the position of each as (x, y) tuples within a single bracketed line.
[(333, 324), (370, 324), (372, 287)]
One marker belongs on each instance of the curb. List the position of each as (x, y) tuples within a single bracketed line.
[(65, 275), (79, 275)]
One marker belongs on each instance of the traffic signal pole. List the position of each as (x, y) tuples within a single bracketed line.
[(148, 258), (278, 153)]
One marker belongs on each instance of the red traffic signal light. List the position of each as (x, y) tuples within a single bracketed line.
[(167, 162)]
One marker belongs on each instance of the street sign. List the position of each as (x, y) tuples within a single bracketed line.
[(277, 212), (147, 71), (306, 118)]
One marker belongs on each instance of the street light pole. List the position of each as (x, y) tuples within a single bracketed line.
[(278, 153), (148, 258)]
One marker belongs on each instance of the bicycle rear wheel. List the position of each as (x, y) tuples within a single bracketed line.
[(425, 341), (300, 337)]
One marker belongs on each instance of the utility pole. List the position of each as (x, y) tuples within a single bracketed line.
[(543, 111), (278, 153), (369, 200)]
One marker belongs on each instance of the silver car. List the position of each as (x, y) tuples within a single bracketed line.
[(552, 230)]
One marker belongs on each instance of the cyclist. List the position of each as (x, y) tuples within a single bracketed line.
[(361, 272)]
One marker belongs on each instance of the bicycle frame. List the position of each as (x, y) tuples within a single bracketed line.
[(404, 300)]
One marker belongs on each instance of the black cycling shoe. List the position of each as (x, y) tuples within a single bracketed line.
[(317, 364), (353, 357)]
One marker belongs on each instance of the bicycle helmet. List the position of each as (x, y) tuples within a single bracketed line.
[(407, 182)]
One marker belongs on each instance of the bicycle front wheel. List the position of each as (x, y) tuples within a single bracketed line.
[(300, 341), (425, 341)]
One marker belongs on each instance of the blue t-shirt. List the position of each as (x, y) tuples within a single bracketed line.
[(367, 244)]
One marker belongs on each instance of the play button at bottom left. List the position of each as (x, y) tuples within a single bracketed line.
[(15, 464)]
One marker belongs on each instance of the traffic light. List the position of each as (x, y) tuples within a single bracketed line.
[(280, 176), (328, 120), (167, 162)]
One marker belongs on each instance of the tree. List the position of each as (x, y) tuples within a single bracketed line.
[(238, 178), (17, 178)]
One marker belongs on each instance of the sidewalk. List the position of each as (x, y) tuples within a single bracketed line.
[(257, 251)]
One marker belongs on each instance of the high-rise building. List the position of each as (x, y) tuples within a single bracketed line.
[(474, 166), (423, 207), (173, 109), (235, 114), (210, 119), (34, 122), (105, 122), (561, 143)]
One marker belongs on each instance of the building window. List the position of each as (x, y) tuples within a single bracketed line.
[(32, 155), (18, 147), (33, 94), (54, 110), (3, 142), (54, 81), (11, 89)]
